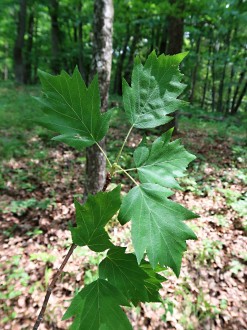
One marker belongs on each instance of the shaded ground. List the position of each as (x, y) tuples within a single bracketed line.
[(37, 189)]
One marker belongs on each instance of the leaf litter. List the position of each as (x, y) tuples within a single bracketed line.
[(210, 292)]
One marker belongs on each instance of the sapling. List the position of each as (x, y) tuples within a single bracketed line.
[(158, 230)]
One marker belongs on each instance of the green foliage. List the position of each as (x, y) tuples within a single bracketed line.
[(99, 304), (123, 271), (158, 232), (72, 109), (154, 91), (162, 162), (162, 237), (209, 251), (92, 217), (20, 207)]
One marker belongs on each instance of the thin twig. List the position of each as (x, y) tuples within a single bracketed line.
[(51, 286), (59, 272)]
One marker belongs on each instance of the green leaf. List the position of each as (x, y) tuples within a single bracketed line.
[(122, 271), (92, 217), (72, 109), (154, 90), (157, 225), (153, 282), (163, 162), (97, 307)]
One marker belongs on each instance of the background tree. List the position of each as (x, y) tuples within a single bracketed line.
[(59, 34), (18, 58), (102, 58)]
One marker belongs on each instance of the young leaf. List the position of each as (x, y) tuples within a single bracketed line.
[(97, 307), (163, 162), (92, 217), (72, 109), (154, 90), (157, 225), (122, 271)]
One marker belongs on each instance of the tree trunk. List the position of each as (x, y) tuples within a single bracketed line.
[(19, 43), (229, 91), (129, 66), (213, 80), (29, 46), (238, 98), (102, 59), (35, 50), (80, 42), (194, 71), (55, 36), (164, 39), (5, 68), (241, 78), (120, 63), (223, 75), (176, 29), (175, 45), (205, 86)]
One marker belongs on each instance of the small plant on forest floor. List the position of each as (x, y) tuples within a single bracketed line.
[(236, 267), (21, 207), (209, 251), (158, 230)]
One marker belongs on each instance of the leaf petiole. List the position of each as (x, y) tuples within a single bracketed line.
[(125, 140), (128, 175), (103, 152), (128, 170)]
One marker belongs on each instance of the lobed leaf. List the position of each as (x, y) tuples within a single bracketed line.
[(153, 94), (92, 217), (72, 109), (157, 225), (122, 270), (97, 307), (162, 162), (153, 281)]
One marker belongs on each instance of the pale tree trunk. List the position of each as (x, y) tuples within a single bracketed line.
[(102, 59), (19, 43)]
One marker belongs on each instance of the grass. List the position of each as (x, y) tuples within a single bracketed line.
[(18, 111)]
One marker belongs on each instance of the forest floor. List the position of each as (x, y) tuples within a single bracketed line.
[(38, 181)]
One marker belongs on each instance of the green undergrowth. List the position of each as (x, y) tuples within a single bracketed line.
[(21, 139)]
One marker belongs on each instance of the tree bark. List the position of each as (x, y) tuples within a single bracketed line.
[(55, 36), (120, 64), (194, 71), (19, 43), (205, 85), (102, 59), (229, 90), (176, 29), (175, 45), (164, 39), (223, 75), (234, 103), (80, 42), (239, 99), (129, 66), (28, 49), (213, 80)]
